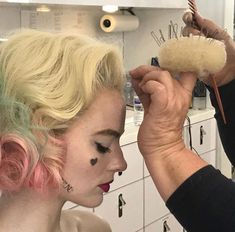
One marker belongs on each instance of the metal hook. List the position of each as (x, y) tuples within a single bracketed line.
[(155, 38), (174, 28)]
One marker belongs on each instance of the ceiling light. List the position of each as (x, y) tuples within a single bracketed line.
[(110, 8), (18, 1), (43, 8)]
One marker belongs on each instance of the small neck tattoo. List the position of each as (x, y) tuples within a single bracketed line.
[(67, 186)]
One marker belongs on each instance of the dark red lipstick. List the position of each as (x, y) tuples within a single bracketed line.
[(106, 186)]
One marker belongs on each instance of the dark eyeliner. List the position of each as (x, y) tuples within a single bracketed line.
[(102, 149)]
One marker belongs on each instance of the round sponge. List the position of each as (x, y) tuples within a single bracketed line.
[(197, 54)]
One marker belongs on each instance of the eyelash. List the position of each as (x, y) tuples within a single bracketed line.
[(102, 149)]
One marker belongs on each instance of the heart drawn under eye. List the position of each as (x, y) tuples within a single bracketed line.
[(93, 161)]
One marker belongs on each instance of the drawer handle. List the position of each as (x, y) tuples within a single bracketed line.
[(166, 228), (202, 133), (121, 203)]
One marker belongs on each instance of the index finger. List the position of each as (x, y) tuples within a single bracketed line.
[(141, 71)]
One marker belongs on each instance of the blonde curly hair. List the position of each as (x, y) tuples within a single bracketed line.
[(45, 81)]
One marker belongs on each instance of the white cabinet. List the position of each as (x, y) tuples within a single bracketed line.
[(203, 139), (123, 208), (203, 136), (167, 223), (122, 3), (154, 206)]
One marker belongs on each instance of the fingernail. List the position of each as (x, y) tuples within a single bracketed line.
[(131, 72)]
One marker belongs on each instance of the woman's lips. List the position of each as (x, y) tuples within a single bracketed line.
[(105, 187)]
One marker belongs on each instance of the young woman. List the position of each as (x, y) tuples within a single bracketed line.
[(62, 114)]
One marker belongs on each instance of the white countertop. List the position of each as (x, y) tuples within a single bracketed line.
[(131, 130)]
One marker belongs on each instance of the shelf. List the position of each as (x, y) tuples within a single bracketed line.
[(121, 3)]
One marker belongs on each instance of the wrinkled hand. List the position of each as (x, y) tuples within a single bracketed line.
[(209, 29), (166, 102)]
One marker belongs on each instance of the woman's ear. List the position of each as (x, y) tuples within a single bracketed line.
[(47, 171), (22, 164)]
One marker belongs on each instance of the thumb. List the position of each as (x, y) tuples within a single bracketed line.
[(210, 29), (188, 80)]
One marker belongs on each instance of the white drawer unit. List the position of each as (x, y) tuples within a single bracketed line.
[(154, 206), (165, 224), (134, 169), (123, 208), (203, 136)]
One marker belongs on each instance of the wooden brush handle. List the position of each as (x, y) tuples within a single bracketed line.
[(218, 98)]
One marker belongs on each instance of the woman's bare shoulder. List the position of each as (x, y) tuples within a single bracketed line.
[(83, 221)]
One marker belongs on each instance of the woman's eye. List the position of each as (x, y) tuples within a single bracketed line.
[(102, 149)]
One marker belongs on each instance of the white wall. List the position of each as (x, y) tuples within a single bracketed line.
[(83, 20), (220, 11), (139, 46)]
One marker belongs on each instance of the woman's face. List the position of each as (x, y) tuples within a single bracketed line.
[(93, 150)]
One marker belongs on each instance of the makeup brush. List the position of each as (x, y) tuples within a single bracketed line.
[(218, 98)]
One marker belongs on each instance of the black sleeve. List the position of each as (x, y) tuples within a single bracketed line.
[(226, 131), (205, 202)]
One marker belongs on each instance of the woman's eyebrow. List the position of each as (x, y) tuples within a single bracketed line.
[(109, 132)]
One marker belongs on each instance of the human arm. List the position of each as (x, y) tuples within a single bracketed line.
[(224, 79), (209, 29), (191, 188), (166, 102)]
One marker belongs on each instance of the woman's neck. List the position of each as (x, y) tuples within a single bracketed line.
[(29, 211)]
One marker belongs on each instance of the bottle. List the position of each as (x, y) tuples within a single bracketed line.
[(128, 91), (199, 96), (138, 110)]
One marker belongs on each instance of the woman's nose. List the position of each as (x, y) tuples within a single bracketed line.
[(118, 163)]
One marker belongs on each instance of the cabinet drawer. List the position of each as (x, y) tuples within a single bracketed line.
[(130, 216), (167, 223), (154, 205), (203, 136), (134, 169)]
